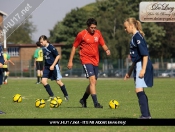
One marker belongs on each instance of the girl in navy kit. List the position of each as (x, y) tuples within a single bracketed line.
[(51, 67), (141, 64)]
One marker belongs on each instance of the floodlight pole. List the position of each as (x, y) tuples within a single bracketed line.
[(5, 42)]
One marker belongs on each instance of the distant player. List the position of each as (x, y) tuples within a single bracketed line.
[(1, 71), (38, 62), (51, 68), (141, 64), (88, 41), (5, 66)]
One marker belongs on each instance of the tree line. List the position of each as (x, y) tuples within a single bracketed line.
[(110, 15)]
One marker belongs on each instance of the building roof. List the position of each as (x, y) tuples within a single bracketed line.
[(3, 13), (32, 45)]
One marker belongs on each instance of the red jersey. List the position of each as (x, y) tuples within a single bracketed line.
[(88, 46)]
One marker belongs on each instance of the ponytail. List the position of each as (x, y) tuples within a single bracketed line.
[(139, 28), (137, 25)]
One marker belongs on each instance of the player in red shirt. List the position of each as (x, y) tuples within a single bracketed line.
[(88, 41)]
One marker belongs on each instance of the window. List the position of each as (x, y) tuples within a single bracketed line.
[(13, 51)]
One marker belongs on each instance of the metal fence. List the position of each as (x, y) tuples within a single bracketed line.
[(22, 69), (107, 68)]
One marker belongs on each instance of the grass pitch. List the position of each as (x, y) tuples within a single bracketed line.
[(161, 103)]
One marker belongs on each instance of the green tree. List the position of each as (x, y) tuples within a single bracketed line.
[(22, 34), (110, 15), (112, 26), (65, 31), (167, 46), (154, 35)]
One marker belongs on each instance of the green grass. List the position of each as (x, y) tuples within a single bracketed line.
[(161, 103)]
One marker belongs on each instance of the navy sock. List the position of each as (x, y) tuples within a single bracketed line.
[(49, 91), (5, 78), (148, 106), (85, 96), (143, 104), (63, 89), (94, 98), (38, 77)]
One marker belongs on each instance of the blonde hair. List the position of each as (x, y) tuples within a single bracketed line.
[(136, 23)]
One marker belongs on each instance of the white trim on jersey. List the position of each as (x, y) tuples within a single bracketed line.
[(87, 75), (47, 49)]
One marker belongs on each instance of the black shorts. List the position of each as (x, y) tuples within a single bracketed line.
[(39, 65), (5, 69), (1, 75)]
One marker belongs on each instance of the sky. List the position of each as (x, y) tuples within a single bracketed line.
[(55, 10)]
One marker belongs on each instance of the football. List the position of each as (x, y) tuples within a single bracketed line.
[(58, 99), (40, 103), (54, 103), (17, 98), (114, 104)]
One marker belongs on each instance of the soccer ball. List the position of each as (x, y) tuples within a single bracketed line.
[(17, 98), (114, 104), (58, 99), (40, 103), (54, 103)]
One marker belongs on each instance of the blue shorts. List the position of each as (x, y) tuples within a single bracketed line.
[(1, 59), (147, 80), (90, 70), (1, 76), (52, 74), (1, 69)]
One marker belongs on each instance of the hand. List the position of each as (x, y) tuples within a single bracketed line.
[(51, 67), (108, 52), (5, 61), (126, 76), (142, 72), (69, 65)]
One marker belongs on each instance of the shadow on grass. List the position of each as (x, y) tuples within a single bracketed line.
[(121, 118), (81, 107)]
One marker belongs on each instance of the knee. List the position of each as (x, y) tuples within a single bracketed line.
[(44, 82), (93, 81), (59, 82), (137, 90)]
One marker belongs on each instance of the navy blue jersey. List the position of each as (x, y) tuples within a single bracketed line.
[(50, 53), (138, 48), (1, 55), (2, 62)]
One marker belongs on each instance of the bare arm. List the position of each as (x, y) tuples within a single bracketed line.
[(34, 62), (105, 48), (70, 63), (11, 62), (145, 61), (55, 62), (142, 72), (5, 60), (130, 71)]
